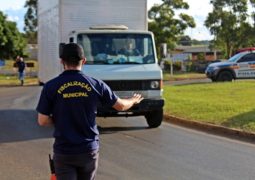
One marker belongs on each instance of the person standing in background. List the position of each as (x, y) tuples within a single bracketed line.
[(21, 69)]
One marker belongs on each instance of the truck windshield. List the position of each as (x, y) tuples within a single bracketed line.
[(116, 48)]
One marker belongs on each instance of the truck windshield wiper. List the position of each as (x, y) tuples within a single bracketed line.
[(97, 62), (130, 63)]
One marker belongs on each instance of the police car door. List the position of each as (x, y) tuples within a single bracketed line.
[(246, 66)]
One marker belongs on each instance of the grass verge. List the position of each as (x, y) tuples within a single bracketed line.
[(227, 104), (13, 80), (182, 76)]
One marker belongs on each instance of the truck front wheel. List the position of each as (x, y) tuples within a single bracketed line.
[(154, 118), (225, 76)]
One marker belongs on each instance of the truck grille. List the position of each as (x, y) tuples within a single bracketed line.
[(129, 85)]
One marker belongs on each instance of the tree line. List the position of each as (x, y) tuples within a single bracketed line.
[(12, 42), (230, 23)]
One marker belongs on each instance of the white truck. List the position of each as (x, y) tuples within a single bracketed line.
[(104, 28)]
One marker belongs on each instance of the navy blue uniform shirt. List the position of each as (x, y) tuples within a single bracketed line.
[(71, 99)]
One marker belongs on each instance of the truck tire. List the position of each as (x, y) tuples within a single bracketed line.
[(154, 118), (225, 76)]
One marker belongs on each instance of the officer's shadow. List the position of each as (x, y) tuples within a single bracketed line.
[(21, 125)]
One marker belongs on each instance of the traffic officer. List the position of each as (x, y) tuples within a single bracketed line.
[(69, 102)]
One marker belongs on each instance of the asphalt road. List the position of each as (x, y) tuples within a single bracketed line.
[(129, 150)]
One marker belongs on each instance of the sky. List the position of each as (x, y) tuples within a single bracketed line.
[(199, 9)]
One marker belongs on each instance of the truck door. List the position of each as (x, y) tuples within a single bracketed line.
[(246, 66)]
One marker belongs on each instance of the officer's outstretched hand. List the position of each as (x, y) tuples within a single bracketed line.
[(137, 98), (125, 104)]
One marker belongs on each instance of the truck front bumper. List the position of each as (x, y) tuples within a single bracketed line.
[(145, 106)]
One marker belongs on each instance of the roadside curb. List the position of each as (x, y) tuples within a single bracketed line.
[(212, 129)]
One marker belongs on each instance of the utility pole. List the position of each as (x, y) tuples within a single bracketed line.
[(166, 56), (171, 64)]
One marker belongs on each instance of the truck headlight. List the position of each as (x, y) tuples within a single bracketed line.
[(155, 84)]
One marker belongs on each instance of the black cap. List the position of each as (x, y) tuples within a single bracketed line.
[(72, 52)]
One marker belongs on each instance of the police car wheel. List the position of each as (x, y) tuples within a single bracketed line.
[(225, 76), (154, 118), (213, 79)]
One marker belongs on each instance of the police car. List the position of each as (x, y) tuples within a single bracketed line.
[(239, 66)]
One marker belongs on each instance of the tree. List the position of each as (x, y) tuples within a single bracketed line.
[(201, 56), (253, 13), (164, 24), (31, 21), (228, 22), (185, 41), (12, 42)]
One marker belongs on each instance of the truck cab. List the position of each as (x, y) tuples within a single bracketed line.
[(126, 61)]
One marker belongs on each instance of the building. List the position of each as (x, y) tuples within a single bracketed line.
[(192, 53), (32, 50)]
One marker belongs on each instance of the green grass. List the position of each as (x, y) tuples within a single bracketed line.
[(229, 104), (182, 76), (13, 80)]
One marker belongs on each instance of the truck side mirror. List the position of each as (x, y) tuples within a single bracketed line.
[(71, 40), (61, 47)]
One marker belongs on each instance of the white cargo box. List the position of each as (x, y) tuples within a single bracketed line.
[(57, 18)]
